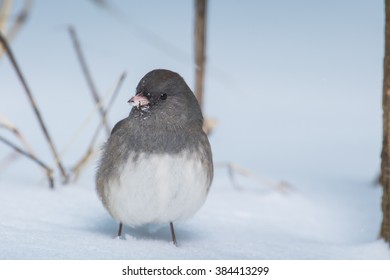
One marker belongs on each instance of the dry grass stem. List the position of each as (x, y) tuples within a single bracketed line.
[(91, 114), (88, 77), (49, 171), (84, 160), (5, 8), (7, 124), (21, 19), (35, 107), (232, 169), (200, 48)]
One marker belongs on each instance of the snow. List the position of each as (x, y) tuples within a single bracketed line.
[(70, 223), (294, 105)]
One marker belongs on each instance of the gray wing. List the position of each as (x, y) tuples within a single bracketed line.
[(118, 126), (114, 154)]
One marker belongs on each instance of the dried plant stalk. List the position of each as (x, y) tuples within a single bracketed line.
[(385, 155), (232, 168), (35, 107), (7, 124), (49, 171), (5, 8), (21, 19), (88, 77), (200, 48), (83, 161)]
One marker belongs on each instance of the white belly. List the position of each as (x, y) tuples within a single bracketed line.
[(157, 189)]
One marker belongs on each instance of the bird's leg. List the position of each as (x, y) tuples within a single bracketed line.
[(173, 234), (120, 230)]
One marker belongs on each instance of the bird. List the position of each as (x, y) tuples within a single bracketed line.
[(156, 166)]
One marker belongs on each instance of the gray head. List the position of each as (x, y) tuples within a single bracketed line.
[(163, 97)]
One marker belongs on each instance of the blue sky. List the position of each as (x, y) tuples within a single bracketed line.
[(313, 39)]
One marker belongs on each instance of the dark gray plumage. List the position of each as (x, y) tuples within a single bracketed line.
[(156, 167)]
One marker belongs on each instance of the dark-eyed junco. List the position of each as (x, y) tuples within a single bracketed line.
[(156, 167)]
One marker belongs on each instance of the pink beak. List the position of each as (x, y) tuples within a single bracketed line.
[(139, 100)]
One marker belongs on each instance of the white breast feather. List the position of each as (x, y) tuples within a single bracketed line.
[(158, 189)]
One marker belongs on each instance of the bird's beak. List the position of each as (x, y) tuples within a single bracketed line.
[(139, 100)]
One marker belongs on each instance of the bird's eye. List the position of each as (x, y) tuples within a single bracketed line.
[(163, 96)]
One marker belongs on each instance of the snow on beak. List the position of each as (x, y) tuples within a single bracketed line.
[(139, 101)]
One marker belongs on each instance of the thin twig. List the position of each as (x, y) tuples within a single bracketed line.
[(91, 114), (21, 19), (5, 7), (79, 165), (35, 108), (232, 169), (88, 76), (7, 124), (200, 48), (49, 171)]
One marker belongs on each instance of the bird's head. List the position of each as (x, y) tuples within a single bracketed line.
[(163, 96)]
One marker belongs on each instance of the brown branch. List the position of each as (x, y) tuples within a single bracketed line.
[(49, 171), (385, 155), (83, 161), (200, 48), (88, 76), (34, 106)]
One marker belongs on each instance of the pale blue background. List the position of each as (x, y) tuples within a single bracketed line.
[(282, 76)]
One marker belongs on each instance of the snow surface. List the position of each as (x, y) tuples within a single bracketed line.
[(296, 99), (70, 223)]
